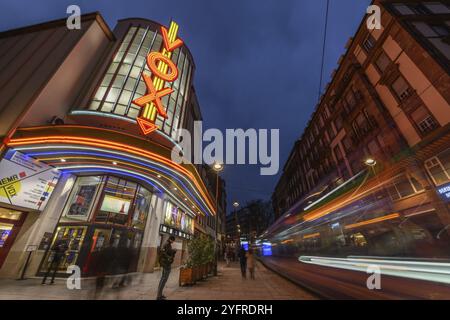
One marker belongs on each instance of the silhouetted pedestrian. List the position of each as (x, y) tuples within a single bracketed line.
[(59, 251), (251, 263), (166, 257), (243, 262)]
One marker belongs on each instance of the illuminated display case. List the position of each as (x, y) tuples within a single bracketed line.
[(177, 222)]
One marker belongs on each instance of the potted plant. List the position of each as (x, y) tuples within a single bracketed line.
[(207, 255), (200, 262), (187, 275), (189, 272)]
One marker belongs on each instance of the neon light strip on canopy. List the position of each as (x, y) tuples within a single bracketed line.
[(118, 156), (116, 116), (107, 153), (122, 172), (118, 165)]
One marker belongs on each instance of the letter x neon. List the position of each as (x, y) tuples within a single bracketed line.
[(153, 95)]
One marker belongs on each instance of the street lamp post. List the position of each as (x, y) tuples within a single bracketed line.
[(238, 227), (371, 162), (217, 167)]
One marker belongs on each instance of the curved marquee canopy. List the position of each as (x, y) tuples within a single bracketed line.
[(95, 150)]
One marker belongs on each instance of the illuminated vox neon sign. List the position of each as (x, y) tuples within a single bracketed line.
[(163, 70)]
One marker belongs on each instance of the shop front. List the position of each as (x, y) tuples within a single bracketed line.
[(25, 187), (11, 222), (103, 223), (176, 222), (109, 186)]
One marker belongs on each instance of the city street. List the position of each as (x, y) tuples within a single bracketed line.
[(228, 285), (143, 141)]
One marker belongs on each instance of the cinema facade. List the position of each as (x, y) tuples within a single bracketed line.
[(76, 162)]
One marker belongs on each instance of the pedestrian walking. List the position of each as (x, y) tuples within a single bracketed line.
[(122, 261), (243, 262), (226, 257), (166, 257), (251, 263), (59, 251)]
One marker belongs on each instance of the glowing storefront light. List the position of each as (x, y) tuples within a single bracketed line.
[(371, 221)]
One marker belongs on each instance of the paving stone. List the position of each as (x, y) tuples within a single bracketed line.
[(228, 285)]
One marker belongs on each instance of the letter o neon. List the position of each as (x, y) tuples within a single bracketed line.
[(153, 57)]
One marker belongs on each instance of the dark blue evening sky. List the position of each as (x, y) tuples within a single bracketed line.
[(258, 61)]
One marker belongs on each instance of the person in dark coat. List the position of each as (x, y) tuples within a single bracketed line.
[(243, 262), (59, 251), (166, 257)]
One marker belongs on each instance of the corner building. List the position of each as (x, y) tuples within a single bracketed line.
[(74, 163)]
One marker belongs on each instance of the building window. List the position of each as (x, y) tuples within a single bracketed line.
[(368, 43), (438, 168), (373, 147), (438, 7), (331, 132), (360, 125), (403, 9), (338, 153), (347, 143), (382, 62), (311, 138), (438, 34), (338, 122), (401, 88), (316, 129), (403, 186), (350, 99), (441, 30), (356, 166), (424, 120), (321, 122), (325, 114)]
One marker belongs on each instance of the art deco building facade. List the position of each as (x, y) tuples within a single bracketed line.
[(382, 126), (75, 164)]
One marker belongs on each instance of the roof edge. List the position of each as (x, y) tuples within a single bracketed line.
[(59, 22)]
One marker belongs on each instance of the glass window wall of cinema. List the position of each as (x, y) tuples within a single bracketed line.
[(123, 83)]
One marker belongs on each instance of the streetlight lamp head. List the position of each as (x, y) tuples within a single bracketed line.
[(370, 162), (217, 166), (235, 204)]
